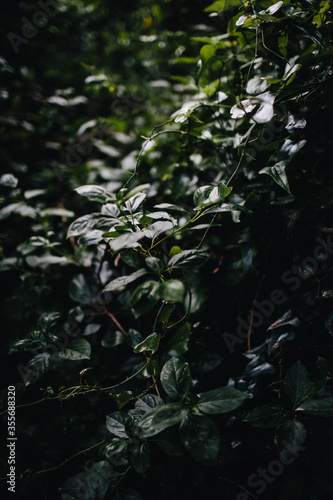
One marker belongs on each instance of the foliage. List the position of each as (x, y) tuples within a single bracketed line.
[(166, 248)]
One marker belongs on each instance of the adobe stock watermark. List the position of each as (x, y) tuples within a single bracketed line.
[(42, 354), (265, 309), (263, 477), (30, 28)]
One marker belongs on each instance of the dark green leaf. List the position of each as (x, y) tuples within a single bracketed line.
[(144, 298), (325, 367), (155, 264), (176, 378), (200, 436), (76, 350), (188, 259), (290, 437), (278, 174), (148, 401), (177, 345), (96, 193), (127, 240), (171, 291), (221, 400), (267, 416), (317, 407), (117, 423), (150, 343), (35, 368), (83, 224), (160, 418), (122, 398), (140, 458), (297, 381), (120, 283), (83, 289)]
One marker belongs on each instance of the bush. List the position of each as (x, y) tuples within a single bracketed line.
[(166, 244)]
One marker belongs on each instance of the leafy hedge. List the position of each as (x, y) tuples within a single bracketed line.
[(166, 242)]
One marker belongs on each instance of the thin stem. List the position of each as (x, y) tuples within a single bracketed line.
[(70, 458)]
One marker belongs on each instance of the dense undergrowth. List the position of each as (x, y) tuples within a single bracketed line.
[(166, 213)]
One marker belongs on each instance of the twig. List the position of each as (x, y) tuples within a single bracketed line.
[(115, 321)]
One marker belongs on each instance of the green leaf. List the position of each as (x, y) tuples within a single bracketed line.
[(35, 368), (127, 240), (120, 283), (83, 289), (317, 407), (176, 378), (267, 416), (158, 419), (48, 322), (170, 206), (83, 224), (115, 450), (297, 381), (150, 343), (136, 190), (96, 193), (290, 437), (144, 298), (122, 398), (76, 350), (130, 257), (201, 194), (117, 422), (208, 195), (155, 264), (325, 367), (188, 259), (177, 345), (278, 174), (148, 401), (206, 53), (221, 400), (140, 458), (200, 436), (171, 290)]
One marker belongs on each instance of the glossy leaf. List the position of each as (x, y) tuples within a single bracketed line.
[(200, 436), (150, 343), (96, 193), (290, 437), (77, 349), (221, 400), (140, 458), (278, 174), (158, 419), (187, 259), (117, 422), (297, 381), (176, 378), (155, 264), (267, 416), (120, 283), (171, 291), (317, 407)]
